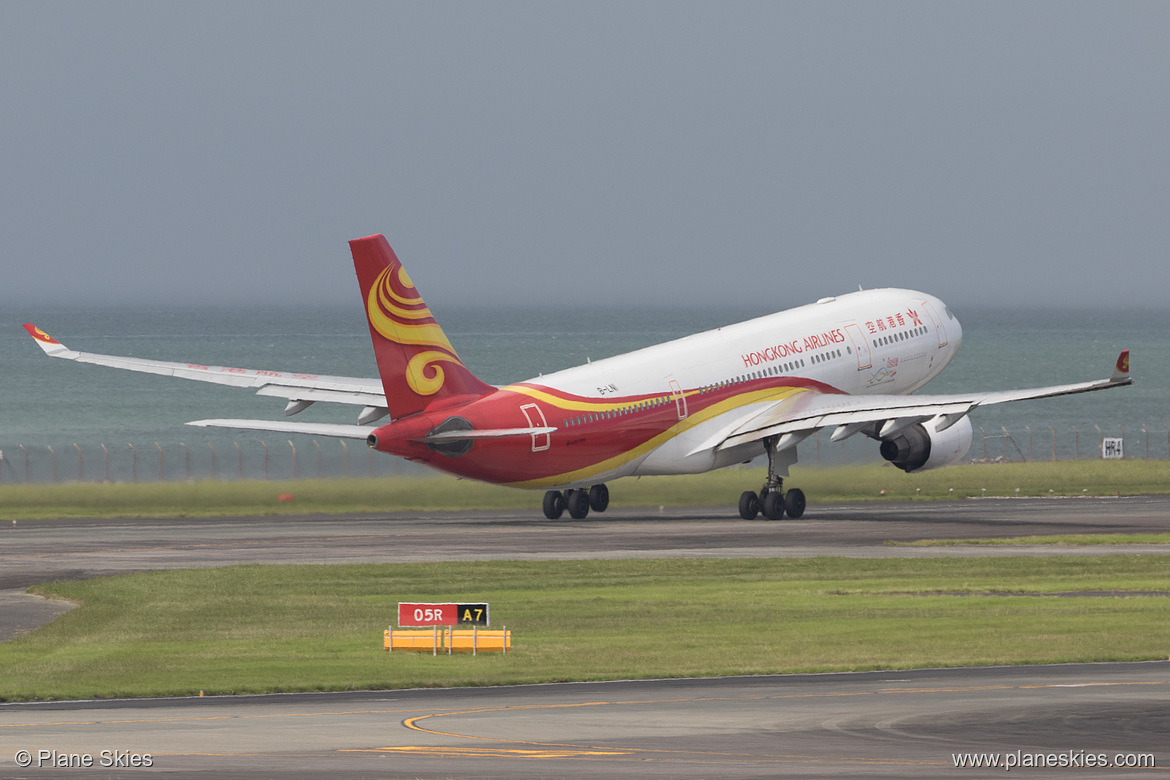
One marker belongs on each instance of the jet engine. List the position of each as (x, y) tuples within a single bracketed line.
[(920, 447)]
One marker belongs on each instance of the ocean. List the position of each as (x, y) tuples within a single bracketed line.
[(55, 415)]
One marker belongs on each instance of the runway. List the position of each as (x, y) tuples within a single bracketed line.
[(874, 724), (41, 550), (881, 724)]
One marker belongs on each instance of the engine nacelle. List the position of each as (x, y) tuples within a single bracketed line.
[(920, 447)]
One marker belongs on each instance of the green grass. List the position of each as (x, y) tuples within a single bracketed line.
[(305, 628), (722, 488), (1058, 539)]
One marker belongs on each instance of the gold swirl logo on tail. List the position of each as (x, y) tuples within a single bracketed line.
[(398, 314), (424, 374)]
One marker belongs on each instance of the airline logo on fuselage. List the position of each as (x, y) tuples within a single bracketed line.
[(893, 322), (797, 347)]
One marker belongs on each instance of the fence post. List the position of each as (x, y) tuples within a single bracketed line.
[(265, 461), (318, 446), (211, 447), (1146, 431), (186, 458), (1029, 430), (239, 459), (1100, 440), (344, 457), (22, 449), (54, 465), (160, 461), (294, 449), (1076, 443), (1053, 432), (133, 463)]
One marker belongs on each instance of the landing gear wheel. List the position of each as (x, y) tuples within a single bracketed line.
[(772, 501), (598, 497), (794, 503), (554, 504), (774, 505), (749, 505), (577, 502)]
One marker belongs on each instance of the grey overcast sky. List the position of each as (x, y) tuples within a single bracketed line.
[(670, 152)]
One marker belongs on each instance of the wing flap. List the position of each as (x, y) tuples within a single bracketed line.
[(329, 395), (833, 414)]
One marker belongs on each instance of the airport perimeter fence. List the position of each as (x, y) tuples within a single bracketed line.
[(177, 462), (284, 459)]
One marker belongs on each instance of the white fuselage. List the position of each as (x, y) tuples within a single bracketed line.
[(887, 341)]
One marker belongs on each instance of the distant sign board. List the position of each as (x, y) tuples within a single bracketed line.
[(442, 614), (1113, 449)]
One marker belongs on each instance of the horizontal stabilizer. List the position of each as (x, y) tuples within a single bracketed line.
[(496, 433), (278, 426)]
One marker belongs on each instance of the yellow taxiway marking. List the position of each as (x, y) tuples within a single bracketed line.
[(564, 750), (554, 750)]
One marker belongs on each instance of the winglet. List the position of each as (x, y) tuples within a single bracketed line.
[(1121, 370), (46, 342)]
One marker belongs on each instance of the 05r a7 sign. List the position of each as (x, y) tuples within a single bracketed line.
[(442, 614)]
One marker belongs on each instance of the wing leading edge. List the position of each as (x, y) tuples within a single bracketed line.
[(301, 390), (795, 418)]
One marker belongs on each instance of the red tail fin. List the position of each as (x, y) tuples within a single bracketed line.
[(417, 363)]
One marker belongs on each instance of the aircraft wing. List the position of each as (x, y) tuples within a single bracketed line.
[(795, 418), (301, 390), (362, 432)]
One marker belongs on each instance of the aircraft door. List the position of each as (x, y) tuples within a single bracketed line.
[(939, 327), (860, 345), (680, 398), (535, 417)]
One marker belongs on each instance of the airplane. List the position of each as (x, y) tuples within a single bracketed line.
[(850, 363)]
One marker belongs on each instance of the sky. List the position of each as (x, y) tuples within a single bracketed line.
[(585, 153)]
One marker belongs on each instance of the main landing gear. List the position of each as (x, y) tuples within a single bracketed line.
[(578, 502), (772, 501)]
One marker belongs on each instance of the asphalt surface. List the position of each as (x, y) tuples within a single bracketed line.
[(41, 550), (888, 724), (875, 724)]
